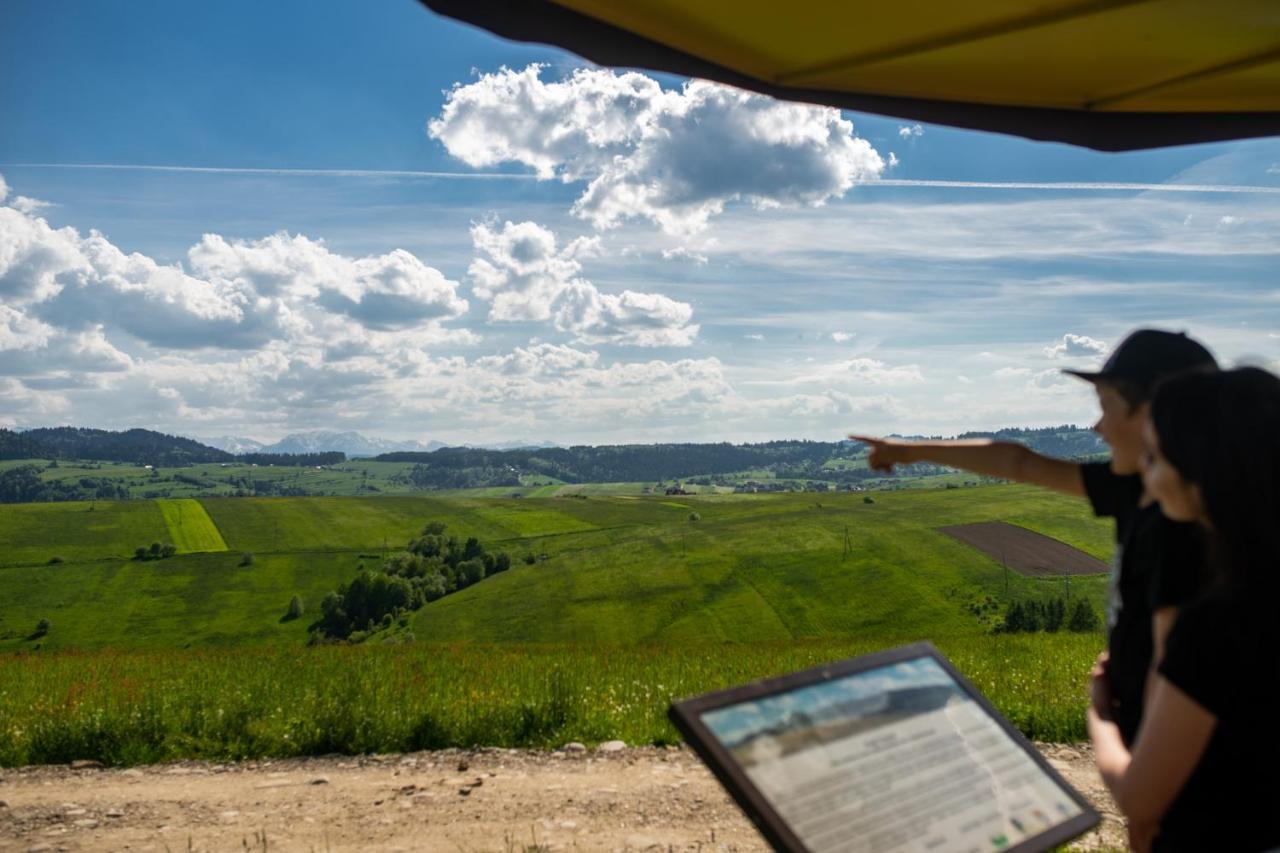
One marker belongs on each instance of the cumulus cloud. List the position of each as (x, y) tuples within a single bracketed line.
[(673, 157), (911, 131), (640, 319), (1075, 346), (526, 276), (230, 295), (841, 337), (521, 271)]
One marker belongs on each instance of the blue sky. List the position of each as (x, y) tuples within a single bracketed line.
[(600, 256)]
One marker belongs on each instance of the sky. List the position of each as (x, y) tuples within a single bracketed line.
[(254, 219)]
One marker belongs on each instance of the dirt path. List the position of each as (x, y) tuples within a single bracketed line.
[(488, 800)]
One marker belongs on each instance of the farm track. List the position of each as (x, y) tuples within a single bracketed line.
[(494, 799)]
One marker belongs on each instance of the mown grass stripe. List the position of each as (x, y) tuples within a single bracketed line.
[(190, 527)]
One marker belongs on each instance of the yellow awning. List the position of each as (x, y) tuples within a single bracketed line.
[(1112, 75)]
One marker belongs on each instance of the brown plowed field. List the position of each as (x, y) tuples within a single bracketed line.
[(1025, 551)]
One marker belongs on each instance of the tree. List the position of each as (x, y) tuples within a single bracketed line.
[(247, 559), (1054, 615), (693, 516), (434, 528), (140, 553), (42, 628), (155, 550), (168, 550), (867, 499), (295, 608), (471, 571), (1015, 618), (1083, 618)]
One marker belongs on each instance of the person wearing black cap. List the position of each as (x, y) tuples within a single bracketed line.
[(1158, 562)]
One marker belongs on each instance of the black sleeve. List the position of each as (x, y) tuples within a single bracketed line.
[(1179, 570), (1110, 494), (1198, 657)]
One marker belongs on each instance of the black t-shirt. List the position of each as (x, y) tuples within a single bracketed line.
[(1158, 564), (1224, 653)]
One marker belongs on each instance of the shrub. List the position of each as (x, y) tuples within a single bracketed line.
[(867, 499), (139, 553), (296, 608), (247, 559), (529, 559), (54, 560), (42, 628), (693, 516), (168, 550), (155, 550)]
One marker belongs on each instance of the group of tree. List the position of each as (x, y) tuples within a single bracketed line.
[(23, 484), (302, 460), (431, 566), (155, 552), (1053, 615)]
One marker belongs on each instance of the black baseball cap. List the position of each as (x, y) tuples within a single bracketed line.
[(1149, 355)]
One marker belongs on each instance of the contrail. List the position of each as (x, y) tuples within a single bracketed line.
[(1071, 186), (312, 173), (1067, 186)]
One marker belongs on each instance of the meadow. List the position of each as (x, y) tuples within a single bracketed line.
[(614, 604), (138, 707)]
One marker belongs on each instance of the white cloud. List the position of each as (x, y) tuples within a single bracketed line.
[(539, 360), (681, 252), (22, 204), (910, 131), (754, 337), (858, 371), (841, 337), (640, 319), (232, 295), (526, 276), (521, 271), (673, 157), (1075, 346), (33, 256)]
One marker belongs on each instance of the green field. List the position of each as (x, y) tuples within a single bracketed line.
[(611, 570), (191, 530), (36, 533), (628, 601), (136, 707)]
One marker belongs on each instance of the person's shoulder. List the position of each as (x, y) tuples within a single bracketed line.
[(1110, 493)]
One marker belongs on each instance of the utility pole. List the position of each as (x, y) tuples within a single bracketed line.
[(1006, 575)]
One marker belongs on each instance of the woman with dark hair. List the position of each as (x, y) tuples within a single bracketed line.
[(1203, 772)]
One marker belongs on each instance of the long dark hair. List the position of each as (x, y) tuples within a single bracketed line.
[(1221, 431)]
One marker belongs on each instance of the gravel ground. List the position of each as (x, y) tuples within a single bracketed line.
[(494, 799)]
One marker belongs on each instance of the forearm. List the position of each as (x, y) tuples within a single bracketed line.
[(1109, 752)]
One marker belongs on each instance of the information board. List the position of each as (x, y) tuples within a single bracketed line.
[(893, 752)]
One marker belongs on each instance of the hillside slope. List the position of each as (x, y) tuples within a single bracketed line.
[(606, 569)]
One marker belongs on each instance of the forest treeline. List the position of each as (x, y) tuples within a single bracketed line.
[(139, 447), (465, 467)]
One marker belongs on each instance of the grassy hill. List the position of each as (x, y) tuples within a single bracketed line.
[(609, 569)]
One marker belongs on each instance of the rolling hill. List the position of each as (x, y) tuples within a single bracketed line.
[(606, 570)]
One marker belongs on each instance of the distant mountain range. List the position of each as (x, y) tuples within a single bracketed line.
[(353, 444)]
